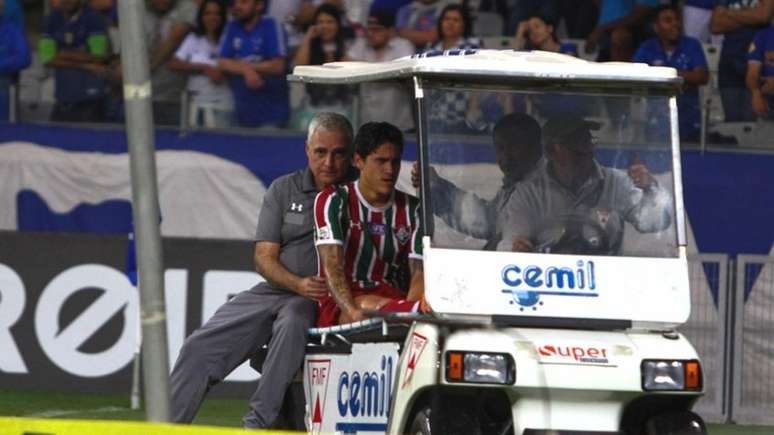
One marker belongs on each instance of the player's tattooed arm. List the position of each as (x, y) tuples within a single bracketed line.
[(417, 286), (332, 257)]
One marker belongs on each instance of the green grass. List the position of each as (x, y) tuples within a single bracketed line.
[(214, 412)]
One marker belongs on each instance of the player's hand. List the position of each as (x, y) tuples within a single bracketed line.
[(640, 175), (415, 175), (312, 32), (522, 28), (214, 74), (593, 40), (312, 287), (522, 244), (352, 315), (98, 69), (768, 86), (759, 104), (415, 181), (253, 80)]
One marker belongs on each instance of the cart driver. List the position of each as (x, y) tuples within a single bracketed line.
[(368, 236), (574, 205)]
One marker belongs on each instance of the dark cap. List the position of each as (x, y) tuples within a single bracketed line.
[(559, 128), (382, 17)]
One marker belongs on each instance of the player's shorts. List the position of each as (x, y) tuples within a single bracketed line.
[(330, 312)]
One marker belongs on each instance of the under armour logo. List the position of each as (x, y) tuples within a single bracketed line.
[(297, 207)]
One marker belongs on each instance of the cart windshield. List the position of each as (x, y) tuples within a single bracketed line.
[(550, 172)]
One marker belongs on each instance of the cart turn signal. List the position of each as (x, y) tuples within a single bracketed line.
[(454, 368), (692, 375)]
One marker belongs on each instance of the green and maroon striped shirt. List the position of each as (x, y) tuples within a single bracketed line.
[(377, 241)]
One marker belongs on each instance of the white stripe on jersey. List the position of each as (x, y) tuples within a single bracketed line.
[(362, 238)]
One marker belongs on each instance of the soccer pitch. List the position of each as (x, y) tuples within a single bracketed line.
[(214, 412)]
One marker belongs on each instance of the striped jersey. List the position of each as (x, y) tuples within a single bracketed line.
[(377, 241)]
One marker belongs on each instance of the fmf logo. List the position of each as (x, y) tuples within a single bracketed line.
[(567, 354), (527, 284), (318, 371), (366, 394)]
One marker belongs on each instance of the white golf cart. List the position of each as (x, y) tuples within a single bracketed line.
[(575, 337)]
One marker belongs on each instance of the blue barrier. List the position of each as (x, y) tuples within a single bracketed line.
[(729, 196)]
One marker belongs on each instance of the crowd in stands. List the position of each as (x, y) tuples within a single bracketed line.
[(230, 57)]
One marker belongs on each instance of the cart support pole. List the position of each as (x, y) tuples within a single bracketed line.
[(145, 208)]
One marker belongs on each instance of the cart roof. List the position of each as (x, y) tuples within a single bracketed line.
[(488, 64)]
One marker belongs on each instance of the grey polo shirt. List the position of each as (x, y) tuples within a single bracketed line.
[(286, 219), (609, 192)]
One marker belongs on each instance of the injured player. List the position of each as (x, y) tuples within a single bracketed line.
[(368, 236)]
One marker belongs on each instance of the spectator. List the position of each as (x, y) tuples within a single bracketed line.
[(285, 13), (14, 57), (760, 73), (108, 9), (418, 21), (450, 111), (383, 101), (696, 19), (537, 33), (685, 54), (253, 54), (308, 11), (167, 22), (522, 10), (579, 16), (622, 25), (75, 44), (212, 104), (389, 6), (453, 28), (737, 20), (323, 43), (13, 12)]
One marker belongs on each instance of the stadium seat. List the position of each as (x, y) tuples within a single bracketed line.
[(581, 44), (709, 95), (712, 53), (498, 42), (488, 24), (758, 134)]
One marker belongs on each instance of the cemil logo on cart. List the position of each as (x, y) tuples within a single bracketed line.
[(573, 354), (527, 284), (366, 393)]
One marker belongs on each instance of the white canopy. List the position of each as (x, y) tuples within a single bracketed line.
[(493, 64)]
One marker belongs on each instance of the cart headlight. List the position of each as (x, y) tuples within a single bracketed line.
[(671, 375), (480, 368)]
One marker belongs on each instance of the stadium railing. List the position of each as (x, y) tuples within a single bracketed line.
[(753, 349), (706, 330)]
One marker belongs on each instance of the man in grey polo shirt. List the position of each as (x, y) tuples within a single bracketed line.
[(279, 311), (574, 205)]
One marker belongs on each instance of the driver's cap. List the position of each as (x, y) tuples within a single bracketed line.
[(559, 128)]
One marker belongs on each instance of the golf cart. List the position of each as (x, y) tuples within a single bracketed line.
[(577, 335)]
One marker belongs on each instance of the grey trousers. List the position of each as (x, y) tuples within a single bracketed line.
[(238, 328)]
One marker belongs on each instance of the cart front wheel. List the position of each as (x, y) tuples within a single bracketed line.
[(421, 423)]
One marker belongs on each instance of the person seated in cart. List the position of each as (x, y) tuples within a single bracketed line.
[(518, 151), (574, 205), (368, 236)]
